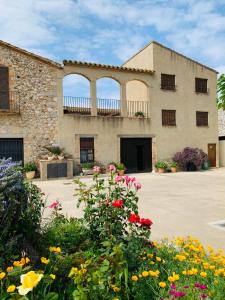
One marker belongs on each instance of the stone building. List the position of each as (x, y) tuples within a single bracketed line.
[(167, 102)]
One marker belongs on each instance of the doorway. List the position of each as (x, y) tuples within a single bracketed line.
[(136, 154), (212, 154)]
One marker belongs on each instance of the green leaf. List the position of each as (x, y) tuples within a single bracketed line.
[(51, 296)]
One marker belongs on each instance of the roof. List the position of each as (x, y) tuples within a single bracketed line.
[(167, 48), (102, 66), (43, 59)]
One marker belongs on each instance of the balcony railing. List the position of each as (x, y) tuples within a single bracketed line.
[(137, 107), (105, 107), (9, 102)]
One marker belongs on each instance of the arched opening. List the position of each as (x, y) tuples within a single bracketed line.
[(108, 96), (137, 99), (76, 94)]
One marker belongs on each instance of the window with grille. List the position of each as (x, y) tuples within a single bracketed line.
[(201, 85), (4, 87), (86, 150), (168, 117), (167, 82), (201, 118)]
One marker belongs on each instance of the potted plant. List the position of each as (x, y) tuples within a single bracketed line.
[(139, 114), (87, 168), (120, 169), (54, 152), (173, 167), (161, 166), (30, 169)]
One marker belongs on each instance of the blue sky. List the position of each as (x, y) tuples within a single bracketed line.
[(110, 31)]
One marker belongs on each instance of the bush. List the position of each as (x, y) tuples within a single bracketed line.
[(29, 167), (190, 156)]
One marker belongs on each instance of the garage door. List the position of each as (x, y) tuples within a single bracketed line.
[(11, 148)]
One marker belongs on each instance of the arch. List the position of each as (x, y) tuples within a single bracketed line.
[(77, 73)]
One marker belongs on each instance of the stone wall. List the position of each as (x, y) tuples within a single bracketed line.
[(221, 122), (34, 84)]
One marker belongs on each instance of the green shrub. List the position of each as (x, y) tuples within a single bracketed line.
[(160, 165), (29, 167)]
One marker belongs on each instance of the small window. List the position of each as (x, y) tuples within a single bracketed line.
[(201, 85), (86, 150), (168, 82), (4, 87), (168, 117), (201, 118)]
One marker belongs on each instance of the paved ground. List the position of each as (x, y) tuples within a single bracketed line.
[(179, 204)]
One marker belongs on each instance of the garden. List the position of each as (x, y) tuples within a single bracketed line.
[(106, 254)]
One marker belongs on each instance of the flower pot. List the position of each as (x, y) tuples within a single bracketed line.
[(60, 157), (50, 158), (160, 170), (120, 172), (30, 175), (173, 169)]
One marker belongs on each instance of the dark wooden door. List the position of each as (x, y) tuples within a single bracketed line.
[(212, 154), (11, 148), (136, 154), (4, 87)]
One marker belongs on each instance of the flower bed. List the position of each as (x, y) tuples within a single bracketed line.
[(108, 254)]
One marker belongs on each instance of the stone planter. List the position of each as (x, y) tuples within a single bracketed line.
[(60, 157), (173, 169), (30, 175), (160, 170), (87, 171)]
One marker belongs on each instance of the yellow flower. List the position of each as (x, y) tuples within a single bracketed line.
[(2, 275), (184, 272), (162, 284), (115, 289), (134, 278), (174, 277), (55, 249), (44, 260), (180, 257), (28, 282), (52, 276), (11, 288), (203, 274), (25, 260), (144, 273), (18, 263), (158, 258), (154, 273), (9, 269)]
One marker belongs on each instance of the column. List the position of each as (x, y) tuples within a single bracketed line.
[(123, 99), (93, 98)]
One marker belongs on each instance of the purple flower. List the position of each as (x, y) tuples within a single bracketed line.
[(204, 296), (186, 286)]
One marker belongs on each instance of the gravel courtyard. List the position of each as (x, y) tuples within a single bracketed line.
[(185, 203)]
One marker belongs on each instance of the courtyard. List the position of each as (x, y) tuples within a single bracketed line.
[(180, 204)]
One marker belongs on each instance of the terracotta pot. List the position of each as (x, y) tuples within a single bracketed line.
[(173, 169), (160, 170), (30, 175), (120, 172)]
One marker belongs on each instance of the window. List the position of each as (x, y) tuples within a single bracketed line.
[(169, 117), (200, 85), (4, 87), (201, 118), (86, 150), (167, 82)]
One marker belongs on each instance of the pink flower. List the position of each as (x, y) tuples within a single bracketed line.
[(54, 204), (127, 180), (119, 178), (112, 168), (137, 186), (133, 179), (96, 169)]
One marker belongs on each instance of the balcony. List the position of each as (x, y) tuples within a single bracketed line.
[(9, 102), (105, 107)]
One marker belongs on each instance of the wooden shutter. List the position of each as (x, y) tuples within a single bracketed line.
[(168, 117), (201, 118), (4, 87), (201, 85), (168, 82)]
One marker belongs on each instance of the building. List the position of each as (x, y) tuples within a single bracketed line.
[(221, 126), (167, 102)]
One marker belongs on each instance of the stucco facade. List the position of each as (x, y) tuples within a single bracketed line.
[(42, 118)]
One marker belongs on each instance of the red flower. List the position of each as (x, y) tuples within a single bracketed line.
[(117, 203), (146, 222), (134, 218)]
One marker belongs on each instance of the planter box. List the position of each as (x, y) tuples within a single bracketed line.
[(56, 169)]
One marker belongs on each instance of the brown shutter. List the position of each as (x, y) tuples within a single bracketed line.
[(201, 118), (201, 85), (168, 82), (168, 117), (4, 88)]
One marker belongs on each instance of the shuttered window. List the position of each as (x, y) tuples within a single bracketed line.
[(168, 117), (4, 87), (202, 118), (201, 85), (167, 82), (86, 150)]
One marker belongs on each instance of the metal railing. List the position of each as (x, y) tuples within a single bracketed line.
[(80, 105), (107, 107), (9, 101), (138, 108)]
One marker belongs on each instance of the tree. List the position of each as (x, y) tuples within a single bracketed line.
[(221, 92)]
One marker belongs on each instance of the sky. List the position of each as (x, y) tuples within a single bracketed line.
[(110, 31)]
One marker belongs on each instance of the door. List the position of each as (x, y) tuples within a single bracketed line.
[(136, 154), (4, 87), (11, 148), (212, 154)]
